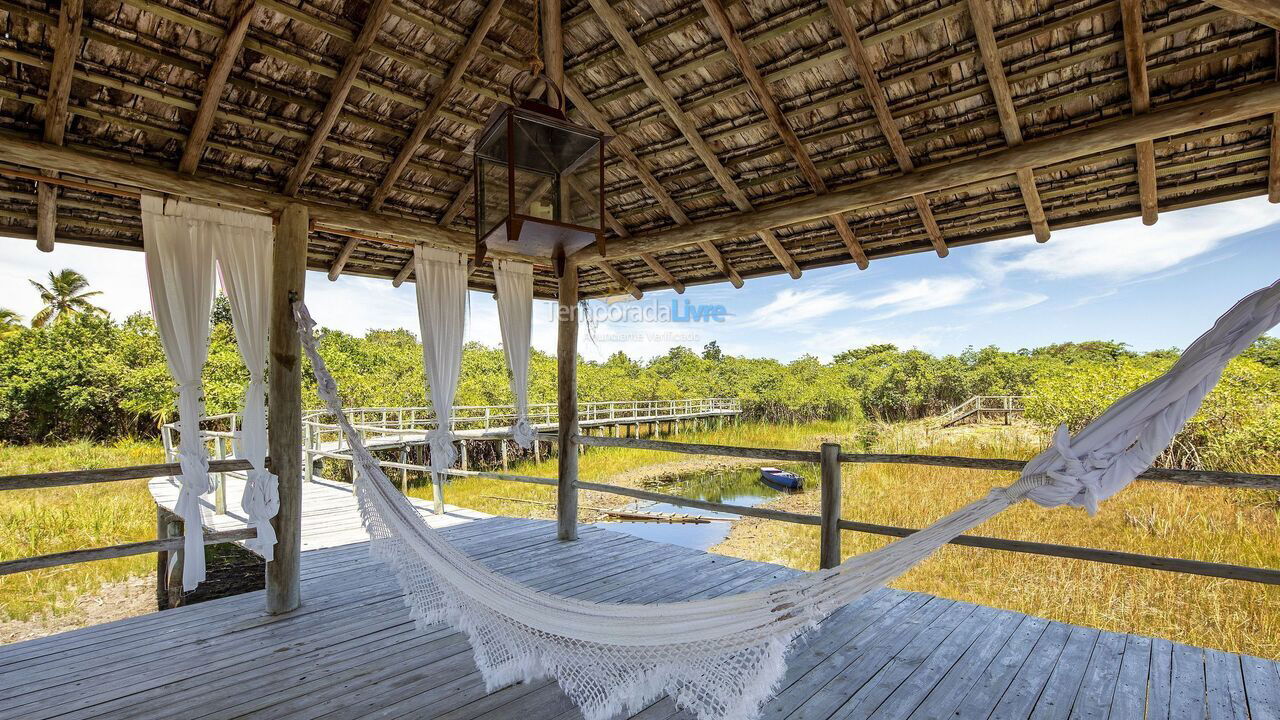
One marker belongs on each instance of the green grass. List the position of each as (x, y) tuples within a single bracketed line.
[(1214, 524), (37, 522)]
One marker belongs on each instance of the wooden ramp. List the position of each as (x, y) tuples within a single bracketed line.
[(351, 651)]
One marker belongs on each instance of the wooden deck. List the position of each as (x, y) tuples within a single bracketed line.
[(352, 652)]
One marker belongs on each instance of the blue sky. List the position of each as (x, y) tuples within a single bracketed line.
[(1152, 287)]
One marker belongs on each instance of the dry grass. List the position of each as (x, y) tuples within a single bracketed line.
[(1219, 525), (37, 522)]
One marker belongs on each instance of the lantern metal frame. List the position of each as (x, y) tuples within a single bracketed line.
[(555, 239)]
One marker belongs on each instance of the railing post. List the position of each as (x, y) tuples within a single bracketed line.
[(829, 540), (308, 444), (220, 498)]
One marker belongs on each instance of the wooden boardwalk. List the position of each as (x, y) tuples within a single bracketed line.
[(351, 651), (329, 514)]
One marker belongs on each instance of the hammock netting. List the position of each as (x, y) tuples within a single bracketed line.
[(722, 658)]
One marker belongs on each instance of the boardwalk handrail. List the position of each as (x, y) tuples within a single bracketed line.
[(422, 418), (983, 403), (830, 546)]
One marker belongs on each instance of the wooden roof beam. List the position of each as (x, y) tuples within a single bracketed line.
[(627, 286), (1265, 12), (989, 51), (343, 256), (640, 63), (66, 47), (719, 17), (1273, 169), (880, 105), (1135, 56), (214, 84), (450, 83), (1108, 136), (621, 147), (338, 93), (405, 271)]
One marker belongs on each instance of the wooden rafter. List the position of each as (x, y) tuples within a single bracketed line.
[(66, 47), (1266, 12), (884, 117), (989, 51), (428, 116), (621, 147), (640, 63), (215, 82), (621, 279), (405, 271), (344, 255), (338, 93), (1135, 56), (719, 17), (1220, 110)]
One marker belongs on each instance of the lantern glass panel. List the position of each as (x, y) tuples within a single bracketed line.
[(492, 178), (536, 194), (582, 193)]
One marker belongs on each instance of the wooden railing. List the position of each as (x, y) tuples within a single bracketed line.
[(978, 404), (830, 457), (400, 420), (220, 444), (88, 477)]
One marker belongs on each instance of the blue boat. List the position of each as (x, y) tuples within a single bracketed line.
[(781, 478)]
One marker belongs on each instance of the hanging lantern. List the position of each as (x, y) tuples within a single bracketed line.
[(539, 182)]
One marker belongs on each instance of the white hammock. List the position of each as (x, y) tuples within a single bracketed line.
[(723, 658)]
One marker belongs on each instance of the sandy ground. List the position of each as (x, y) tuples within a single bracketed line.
[(130, 598)]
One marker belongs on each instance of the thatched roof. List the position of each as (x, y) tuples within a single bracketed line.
[(143, 65)]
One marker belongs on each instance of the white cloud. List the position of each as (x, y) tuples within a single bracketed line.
[(830, 341), (1126, 249), (790, 307), (909, 296), (1007, 300)]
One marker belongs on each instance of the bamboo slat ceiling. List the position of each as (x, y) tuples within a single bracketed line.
[(721, 107)]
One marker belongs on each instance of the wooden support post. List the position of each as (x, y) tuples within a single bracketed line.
[(162, 561), (567, 400), (465, 464), (284, 407), (173, 528), (502, 445), (829, 545)]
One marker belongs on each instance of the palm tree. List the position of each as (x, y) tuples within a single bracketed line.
[(64, 297), (10, 323)]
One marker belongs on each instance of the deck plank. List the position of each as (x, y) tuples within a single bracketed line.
[(352, 652)]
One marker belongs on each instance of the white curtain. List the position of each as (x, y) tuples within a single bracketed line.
[(242, 247), (182, 242), (515, 316), (179, 262), (441, 281)]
